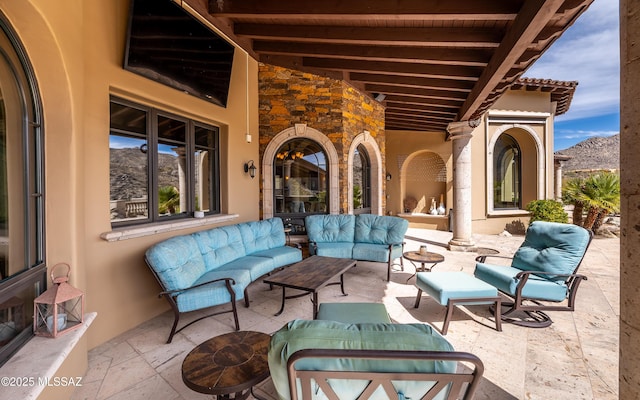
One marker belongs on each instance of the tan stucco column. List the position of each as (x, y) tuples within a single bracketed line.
[(629, 378), (461, 145), (558, 159)]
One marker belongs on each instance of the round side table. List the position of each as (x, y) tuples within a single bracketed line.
[(423, 259), (228, 366)]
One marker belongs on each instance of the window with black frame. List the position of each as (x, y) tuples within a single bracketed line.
[(506, 173), (22, 265), (162, 166), (361, 181), (301, 183)]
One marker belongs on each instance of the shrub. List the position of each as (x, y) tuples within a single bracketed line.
[(547, 210)]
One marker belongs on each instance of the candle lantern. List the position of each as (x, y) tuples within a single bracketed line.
[(61, 308)]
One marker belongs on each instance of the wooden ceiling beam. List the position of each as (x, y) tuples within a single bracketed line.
[(416, 92), (406, 69), (426, 55), (405, 36), (416, 126), (417, 117), (531, 20), (296, 63), (424, 101), (416, 108), (368, 9), (413, 81), (423, 93)]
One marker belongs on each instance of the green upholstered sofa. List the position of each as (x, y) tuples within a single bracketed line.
[(329, 359), (364, 237)]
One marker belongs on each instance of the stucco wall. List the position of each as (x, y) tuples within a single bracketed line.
[(77, 48), (402, 146), (528, 116)]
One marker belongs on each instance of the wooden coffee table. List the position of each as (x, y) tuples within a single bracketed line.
[(423, 259), (229, 365), (310, 275)]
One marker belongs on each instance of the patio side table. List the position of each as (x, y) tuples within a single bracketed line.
[(228, 366), (423, 259)]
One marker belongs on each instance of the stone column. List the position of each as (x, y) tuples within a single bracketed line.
[(629, 379), (558, 159), (460, 135)]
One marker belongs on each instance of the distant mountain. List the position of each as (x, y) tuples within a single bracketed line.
[(128, 173), (593, 154)]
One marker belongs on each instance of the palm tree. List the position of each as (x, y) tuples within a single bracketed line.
[(168, 199), (601, 196), (572, 194), (357, 196)]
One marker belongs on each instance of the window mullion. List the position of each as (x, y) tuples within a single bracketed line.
[(190, 151), (152, 165)]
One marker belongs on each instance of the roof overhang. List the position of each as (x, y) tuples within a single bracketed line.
[(435, 62)]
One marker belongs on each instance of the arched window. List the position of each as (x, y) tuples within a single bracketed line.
[(22, 264), (301, 183), (507, 164), (361, 181)]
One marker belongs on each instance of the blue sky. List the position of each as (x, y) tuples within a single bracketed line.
[(588, 52)]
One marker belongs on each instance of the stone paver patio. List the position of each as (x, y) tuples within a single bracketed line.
[(575, 358)]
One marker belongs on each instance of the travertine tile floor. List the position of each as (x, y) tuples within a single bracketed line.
[(575, 358)]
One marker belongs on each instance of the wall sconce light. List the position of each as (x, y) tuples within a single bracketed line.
[(250, 168), (388, 176)]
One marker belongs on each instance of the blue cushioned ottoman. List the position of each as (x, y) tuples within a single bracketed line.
[(451, 288), (354, 313)]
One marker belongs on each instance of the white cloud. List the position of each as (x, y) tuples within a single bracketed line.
[(588, 52), (582, 134)]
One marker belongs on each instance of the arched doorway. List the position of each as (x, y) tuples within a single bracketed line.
[(507, 167), (361, 198), (364, 146), (300, 179), (515, 169), (22, 248), (424, 183), (269, 167)]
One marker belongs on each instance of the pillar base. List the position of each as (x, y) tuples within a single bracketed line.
[(462, 245)]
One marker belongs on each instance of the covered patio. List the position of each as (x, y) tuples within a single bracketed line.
[(575, 358), (435, 72)]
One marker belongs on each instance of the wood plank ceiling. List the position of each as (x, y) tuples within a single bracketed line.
[(435, 61)]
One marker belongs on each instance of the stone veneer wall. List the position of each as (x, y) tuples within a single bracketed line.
[(335, 108)]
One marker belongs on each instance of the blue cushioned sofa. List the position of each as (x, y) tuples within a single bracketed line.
[(215, 266), (323, 359), (364, 237)]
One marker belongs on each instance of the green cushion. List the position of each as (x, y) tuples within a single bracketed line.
[(322, 334), (354, 313)]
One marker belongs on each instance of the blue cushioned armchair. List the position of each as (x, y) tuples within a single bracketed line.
[(543, 271)]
